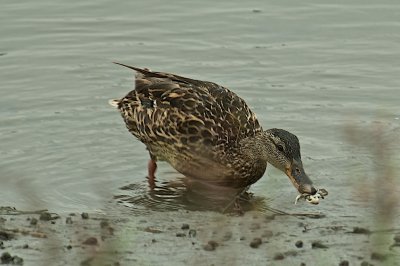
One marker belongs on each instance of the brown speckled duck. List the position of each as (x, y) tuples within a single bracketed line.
[(206, 132)]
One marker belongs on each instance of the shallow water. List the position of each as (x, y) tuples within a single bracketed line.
[(309, 67)]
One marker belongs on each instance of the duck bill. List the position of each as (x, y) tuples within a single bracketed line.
[(299, 178)]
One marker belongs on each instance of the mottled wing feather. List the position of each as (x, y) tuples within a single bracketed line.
[(164, 103)]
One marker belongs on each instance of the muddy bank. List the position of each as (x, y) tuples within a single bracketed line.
[(193, 238)]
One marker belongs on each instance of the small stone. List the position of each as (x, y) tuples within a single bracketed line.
[(6, 235), (104, 224), (72, 214), (192, 233), (378, 256), (90, 241), (303, 264), (45, 216), (396, 239), (256, 242), (255, 226), (85, 215), (227, 236), (68, 220), (153, 241), (344, 263), (360, 230), (17, 260), (279, 256), (2, 245), (38, 234), (152, 230), (53, 222), (242, 238), (69, 247), (34, 221), (180, 234), (318, 244), (292, 253), (211, 245), (299, 244), (365, 263), (25, 246), (185, 227), (208, 247), (6, 258), (267, 234)]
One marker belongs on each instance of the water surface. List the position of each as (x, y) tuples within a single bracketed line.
[(309, 67)]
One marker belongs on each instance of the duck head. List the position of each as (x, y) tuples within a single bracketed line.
[(283, 149)]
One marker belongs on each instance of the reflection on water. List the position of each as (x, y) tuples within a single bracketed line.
[(183, 193)]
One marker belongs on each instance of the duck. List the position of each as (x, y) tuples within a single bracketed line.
[(206, 132)]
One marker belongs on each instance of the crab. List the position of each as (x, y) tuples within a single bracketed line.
[(313, 199)]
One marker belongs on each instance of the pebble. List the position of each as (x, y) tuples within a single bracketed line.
[(378, 256), (45, 216), (256, 242), (6, 235), (360, 230), (279, 256), (185, 227), (366, 263), (344, 263), (192, 233), (290, 253), (2, 245), (104, 224), (68, 220), (396, 239), (6, 258), (255, 226), (17, 260), (85, 215), (152, 230), (25, 246), (211, 245), (227, 236), (34, 221), (69, 247), (299, 244), (90, 241), (302, 264), (267, 234), (180, 234), (317, 244)]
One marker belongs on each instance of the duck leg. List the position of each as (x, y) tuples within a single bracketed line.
[(152, 167)]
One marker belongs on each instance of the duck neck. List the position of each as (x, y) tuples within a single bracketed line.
[(255, 148), (254, 155)]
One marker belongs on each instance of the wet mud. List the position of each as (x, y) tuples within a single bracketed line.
[(182, 237)]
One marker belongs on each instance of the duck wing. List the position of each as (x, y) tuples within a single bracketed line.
[(174, 109)]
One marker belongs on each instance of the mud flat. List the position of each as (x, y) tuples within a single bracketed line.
[(122, 237)]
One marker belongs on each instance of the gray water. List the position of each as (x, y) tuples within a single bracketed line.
[(310, 67)]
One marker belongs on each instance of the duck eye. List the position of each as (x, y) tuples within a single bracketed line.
[(279, 147)]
